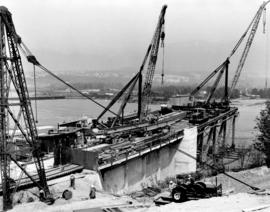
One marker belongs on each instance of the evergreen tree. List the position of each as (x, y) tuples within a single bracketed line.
[(263, 125)]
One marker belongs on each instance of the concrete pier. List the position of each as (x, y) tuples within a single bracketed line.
[(156, 165)]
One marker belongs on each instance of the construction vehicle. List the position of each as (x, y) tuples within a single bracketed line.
[(183, 191), (186, 189), (12, 72)]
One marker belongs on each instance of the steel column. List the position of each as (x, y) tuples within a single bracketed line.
[(214, 139), (5, 171), (226, 91), (205, 146), (233, 131), (224, 137)]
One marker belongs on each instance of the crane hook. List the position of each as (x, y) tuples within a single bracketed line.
[(162, 37)]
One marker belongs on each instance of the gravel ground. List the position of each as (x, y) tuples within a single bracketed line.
[(239, 197)]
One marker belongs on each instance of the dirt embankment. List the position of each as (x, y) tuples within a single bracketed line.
[(236, 201)]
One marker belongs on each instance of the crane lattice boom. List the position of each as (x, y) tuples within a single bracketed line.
[(159, 34), (255, 24), (11, 72)]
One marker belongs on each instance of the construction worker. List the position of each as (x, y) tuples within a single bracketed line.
[(190, 180), (41, 195), (179, 180), (172, 185), (92, 193), (72, 181)]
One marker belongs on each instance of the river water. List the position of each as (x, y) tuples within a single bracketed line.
[(249, 110), (51, 112)]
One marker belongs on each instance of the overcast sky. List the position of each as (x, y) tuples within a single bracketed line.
[(114, 34)]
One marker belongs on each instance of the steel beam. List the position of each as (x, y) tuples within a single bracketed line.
[(226, 90), (233, 131), (5, 171), (224, 134), (205, 146)]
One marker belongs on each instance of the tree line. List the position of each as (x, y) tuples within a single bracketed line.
[(171, 90), (263, 93)]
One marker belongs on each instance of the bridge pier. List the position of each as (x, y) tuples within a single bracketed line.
[(213, 139), (154, 166)]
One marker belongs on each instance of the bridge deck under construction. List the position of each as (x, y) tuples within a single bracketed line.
[(127, 150)]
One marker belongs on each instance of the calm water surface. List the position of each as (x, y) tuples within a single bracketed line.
[(51, 112), (248, 111)]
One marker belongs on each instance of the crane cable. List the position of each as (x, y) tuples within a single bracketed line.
[(217, 169), (32, 59), (35, 86), (264, 20), (72, 87), (162, 73), (162, 36), (265, 31), (242, 37), (228, 58)]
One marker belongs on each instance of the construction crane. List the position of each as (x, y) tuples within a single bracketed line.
[(12, 74), (252, 27), (143, 96), (219, 70), (129, 86), (158, 37), (254, 23)]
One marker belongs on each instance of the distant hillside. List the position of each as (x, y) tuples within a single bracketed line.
[(113, 79)]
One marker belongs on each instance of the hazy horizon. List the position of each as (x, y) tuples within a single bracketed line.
[(81, 35)]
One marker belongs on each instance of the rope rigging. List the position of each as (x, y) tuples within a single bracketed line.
[(264, 20), (32, 59), (162, 69), (157, 40), (217, 169), (266, 32), (144, 94), (35, 87), (251, 29), (254, 24)]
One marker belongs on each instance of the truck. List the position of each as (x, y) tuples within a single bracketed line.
[(181, 191)]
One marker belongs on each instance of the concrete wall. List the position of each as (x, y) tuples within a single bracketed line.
[(153, 166), (88, 159)]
